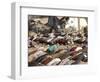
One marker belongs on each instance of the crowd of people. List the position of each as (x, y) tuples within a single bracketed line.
[(51, 43)]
